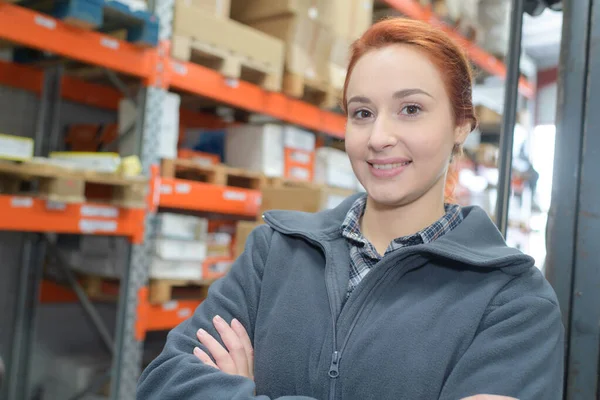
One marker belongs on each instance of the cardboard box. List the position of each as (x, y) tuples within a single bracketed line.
[(219, 244), (487, 116), (185, 270), (169, 132), (15, 148), (227, 35), (243, 230), (299, 154), (249, 11), (257, 148), (308, 199), (181, 227), (338, 61), (218, 8), (333, 168), (94, 161), (180, 250), (307, 44), (272, 149), (347, 18)]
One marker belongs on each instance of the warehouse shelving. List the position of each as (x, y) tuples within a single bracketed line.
[(29, 214), (33, 29), (199, 196), (483, 59), (40, 31), (205, 82), (150, 317)]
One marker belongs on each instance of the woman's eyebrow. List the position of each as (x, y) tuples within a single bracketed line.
[(400, 94), (359, 99)]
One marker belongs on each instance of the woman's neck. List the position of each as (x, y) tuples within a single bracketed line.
[(380, 224)]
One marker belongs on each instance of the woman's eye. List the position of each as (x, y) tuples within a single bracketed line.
[(362, 114), (411, 110)]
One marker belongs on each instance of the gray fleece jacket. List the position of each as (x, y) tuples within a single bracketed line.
[(461, 316)]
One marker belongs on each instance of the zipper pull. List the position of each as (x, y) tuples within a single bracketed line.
[(334, 371)]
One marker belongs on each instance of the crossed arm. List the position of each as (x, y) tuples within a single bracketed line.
[(238, 356)]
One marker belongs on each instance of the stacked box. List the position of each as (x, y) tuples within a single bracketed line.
[(236, 42), (307, 44), (218, 8), (275, 150), (15, 148), (300, 25), (179, 247), (347, 19), (333, 168), (307, 199)]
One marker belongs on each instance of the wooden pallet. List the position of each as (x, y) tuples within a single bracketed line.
[(312, 91), (229, 64), (70, 185), (216, 174), (164, 290), (284, 182)]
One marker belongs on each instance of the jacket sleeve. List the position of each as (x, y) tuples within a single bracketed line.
[(176, 373), (518, 350)]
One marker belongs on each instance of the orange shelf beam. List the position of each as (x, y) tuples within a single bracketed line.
[(483, 59), (205, 197), (167, 316), (28, 214), (33, 29), (205, 82)]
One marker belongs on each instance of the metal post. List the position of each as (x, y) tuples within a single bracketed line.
[(511, 96), (127, 360), (30, 278), (30, 275), (584, 337), (48, 118), (563, 219)]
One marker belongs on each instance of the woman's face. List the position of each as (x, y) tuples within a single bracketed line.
[(400, 131)]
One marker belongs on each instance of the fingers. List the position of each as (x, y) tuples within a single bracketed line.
[(234, 344), (223, 360), (240, 331), (202, 356)]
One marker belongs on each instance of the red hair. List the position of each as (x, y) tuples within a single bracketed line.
[(447, 56)]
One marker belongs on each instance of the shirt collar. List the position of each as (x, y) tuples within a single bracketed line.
[(351, 225)]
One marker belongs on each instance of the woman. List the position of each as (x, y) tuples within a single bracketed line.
[(391, 295)]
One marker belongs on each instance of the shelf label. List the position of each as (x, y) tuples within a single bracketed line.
[(21, 202), (110, 43), (232, 82), (184, 312), (46, 22), (179, 68), (234, 195), (96, 211), (166, 189), (183, 188), (93, 226), (170, 305), (56, 205)]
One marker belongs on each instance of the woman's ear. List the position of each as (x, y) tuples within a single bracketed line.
[(461, 132)]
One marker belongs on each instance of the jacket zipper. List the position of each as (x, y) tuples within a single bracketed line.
[(334, 368)]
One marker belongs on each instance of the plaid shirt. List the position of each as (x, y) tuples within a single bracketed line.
[(364, 256)]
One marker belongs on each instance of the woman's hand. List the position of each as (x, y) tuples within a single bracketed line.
[(238, 358)]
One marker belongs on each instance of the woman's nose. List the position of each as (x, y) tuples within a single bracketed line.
[(382, 134)]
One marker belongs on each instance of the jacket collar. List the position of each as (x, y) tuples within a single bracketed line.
[(475, 242)]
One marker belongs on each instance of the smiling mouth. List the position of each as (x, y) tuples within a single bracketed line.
[(389, 166)]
